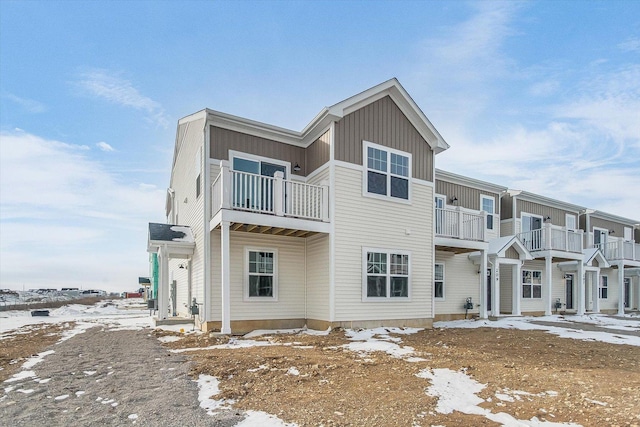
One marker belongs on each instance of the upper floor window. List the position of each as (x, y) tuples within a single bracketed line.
[(387, 171), (628, 234), (488, 205), (570, 222)]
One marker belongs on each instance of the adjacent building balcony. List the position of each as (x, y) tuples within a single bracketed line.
[(275, 204), (552, 238), (620, 250), (460, 230)]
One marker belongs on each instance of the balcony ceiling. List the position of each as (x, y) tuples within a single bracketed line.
[(267, 229)]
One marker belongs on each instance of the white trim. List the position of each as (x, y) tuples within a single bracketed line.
[(601, 287), (347, 165), (442, 298), (566, 217), (466, 181), (318, 170), (388, 252), (492, 214), (332, 225), (426, 183), (629, 237), (532, 216), (365, 170), (206, 202), (246, 273)]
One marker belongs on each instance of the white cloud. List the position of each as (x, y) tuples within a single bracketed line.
[(29, 105), (104, 146), (66, 218), (106, 85), (632, 44)]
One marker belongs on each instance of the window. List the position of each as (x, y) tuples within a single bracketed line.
[(387, 171), (198, 186), (600, 237), (570, 222), (386, 274), (604, 287), (438, 281), (531, 284), (628, 234), (253, 186), (440, 214), (261, 274), (487, 204)]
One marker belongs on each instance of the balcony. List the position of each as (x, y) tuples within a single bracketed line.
[(461, 224), (620, 250), (552, 238), (279, 205)]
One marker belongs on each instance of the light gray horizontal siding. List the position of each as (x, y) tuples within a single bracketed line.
[(383, 123)]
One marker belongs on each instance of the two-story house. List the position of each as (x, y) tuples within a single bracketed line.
[(328, 226)]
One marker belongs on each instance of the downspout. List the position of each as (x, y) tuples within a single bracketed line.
[(206, 276)]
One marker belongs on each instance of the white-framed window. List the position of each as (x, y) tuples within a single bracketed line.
[(440, 213), (261, 274), (487, 204), (600, 238), (387, 172), (438, 280), (386, 274), (628, 234), (531, 284), (198, 167), (570, 222), (604, 287)]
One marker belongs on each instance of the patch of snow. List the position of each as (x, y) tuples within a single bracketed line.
[(208, 386), (525, 324), (378, 339), (293, 371), (34, 360), (61, 397), (457, 392), (233, 344), (21, 376), (262, 419), (259, 368), (89, 373), (133, 416), (80, 393), (169, 338), (596, 402), (44, 381), (25, 391)]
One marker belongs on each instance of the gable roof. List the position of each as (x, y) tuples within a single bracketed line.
[(176, 239), (498, 247)]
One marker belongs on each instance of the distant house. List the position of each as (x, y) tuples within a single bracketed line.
[(348, 223)]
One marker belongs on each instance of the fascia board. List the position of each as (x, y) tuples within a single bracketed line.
[(469, 182), (615, 218)]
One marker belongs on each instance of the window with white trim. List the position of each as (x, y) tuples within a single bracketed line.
[(386, 274), (570, 222), (531, 284), (628, 234), (387, 171), (604, 287), (488, 205), (261, 273), (438, 281)]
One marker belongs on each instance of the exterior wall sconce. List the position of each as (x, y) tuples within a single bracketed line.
[(183, 266), (297, 167), (547, 219), (612, 231), (454, 199)]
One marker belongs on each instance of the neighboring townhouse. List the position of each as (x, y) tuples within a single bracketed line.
[(329, 226), (618, 239), (348, 223)]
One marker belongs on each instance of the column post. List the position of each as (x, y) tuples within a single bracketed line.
[(548, 285), (483, 285), (621, 288), (225, 328), (517, 289), (581, 288), (163, 285)]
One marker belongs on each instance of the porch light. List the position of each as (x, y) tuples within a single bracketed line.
[(547, 219), (454, 199), (183, 266), (612, 231), (297, 167)]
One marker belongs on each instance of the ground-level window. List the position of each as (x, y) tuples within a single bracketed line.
[(386, 274), (438, 281), (604, 287), (531, 284), (387, 171), (261, 273)]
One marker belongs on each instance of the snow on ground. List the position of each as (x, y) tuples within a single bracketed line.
[(456, 391), (528, 324), (366, 341)]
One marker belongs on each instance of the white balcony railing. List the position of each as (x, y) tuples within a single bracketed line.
[(244, 191), (619, 250), (460, 224), (552, 237)]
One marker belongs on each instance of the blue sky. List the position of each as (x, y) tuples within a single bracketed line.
[(542, 96)]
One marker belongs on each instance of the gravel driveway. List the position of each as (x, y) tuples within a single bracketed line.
[(108, 378)]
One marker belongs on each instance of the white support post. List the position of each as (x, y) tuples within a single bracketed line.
[(460, 224), (225, 260), (226, 183), (484, 237), (278, 193), (163, 284), (547, 288), (547, 237), (495, 288), (581, 289), (483, 285), (595, 291), (325, 200), (621, 288), (517, 289)]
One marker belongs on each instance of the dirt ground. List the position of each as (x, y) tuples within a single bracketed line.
[(590, 383), (565, 380)]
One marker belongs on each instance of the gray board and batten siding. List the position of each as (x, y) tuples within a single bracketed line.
[(468, 197), (616, 227), (309, 159), (557, 215), (382, 122)]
